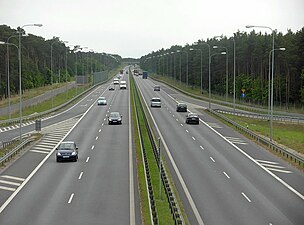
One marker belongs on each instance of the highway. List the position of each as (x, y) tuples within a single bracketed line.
[(98, 189), (222, 177)]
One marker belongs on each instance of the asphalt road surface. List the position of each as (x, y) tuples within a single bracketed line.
[(98, 189), (222, 177)]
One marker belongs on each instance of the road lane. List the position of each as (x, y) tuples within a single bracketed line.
[(95, 190), (249, 196)]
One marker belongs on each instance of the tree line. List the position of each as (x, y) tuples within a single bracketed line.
[(37, 67), (252, 67)]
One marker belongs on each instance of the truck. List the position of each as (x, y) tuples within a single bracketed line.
[(145, 75)]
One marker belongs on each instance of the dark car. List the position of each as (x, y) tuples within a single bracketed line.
[(67, 151), (156, 88), (192, 118), (114, 118), (181, 107), (111, 88)]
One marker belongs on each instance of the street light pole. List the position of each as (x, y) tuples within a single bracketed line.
[(221, 53), (226, 69), (20, 81), (271, 97), (8, 76), (272, 70), (6, 43), (233, 76), (197, 49), (209, 73), (52, 73)]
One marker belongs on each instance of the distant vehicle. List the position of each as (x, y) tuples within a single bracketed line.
[(145, 75), (155, 102), (116, 81), (135, 71), (121, 71), (192, 118), (67, 150), (123, 84), (102, 101), (181, 107), (156, 88), (111, 88), (114, 118)]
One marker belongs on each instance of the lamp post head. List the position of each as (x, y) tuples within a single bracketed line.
[(2, 43), (38, 25), (215, 46), (177, 50), (223, 53), (191, 49), (282, 49), (249, 26)]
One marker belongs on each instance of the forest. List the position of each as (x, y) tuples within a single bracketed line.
[(37, 67), (253, 63)]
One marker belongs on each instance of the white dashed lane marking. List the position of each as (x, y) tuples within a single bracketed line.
[(93, 147), (226, 175), (88, 159), (71, 198), (212, 159), (202, 147), (245, 196), (80, 176)]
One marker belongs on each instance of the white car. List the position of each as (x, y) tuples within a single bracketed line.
[(123, 84), (155, 102), (116, 81), (102, 101)]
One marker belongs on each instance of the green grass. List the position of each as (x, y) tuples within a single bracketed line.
[(289, 135), (162, 206), (47, 105)]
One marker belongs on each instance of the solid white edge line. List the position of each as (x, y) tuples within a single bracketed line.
[(258, 164), (80, 176), (71, 198), (181, 180), (245, 196), (5, 204), (131, 185)]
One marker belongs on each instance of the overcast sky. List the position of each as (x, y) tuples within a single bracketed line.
[(133, 28)]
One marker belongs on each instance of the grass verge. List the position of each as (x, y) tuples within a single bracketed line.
[(162, 206)]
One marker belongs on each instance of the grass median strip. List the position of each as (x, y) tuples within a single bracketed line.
[(162, 206)]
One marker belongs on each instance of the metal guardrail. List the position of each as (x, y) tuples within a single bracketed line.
[(14, 151), (175, 210), (262, 116), (284, 151), (228, 104)]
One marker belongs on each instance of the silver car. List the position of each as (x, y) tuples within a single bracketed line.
[(155, 102), (102, 101)]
